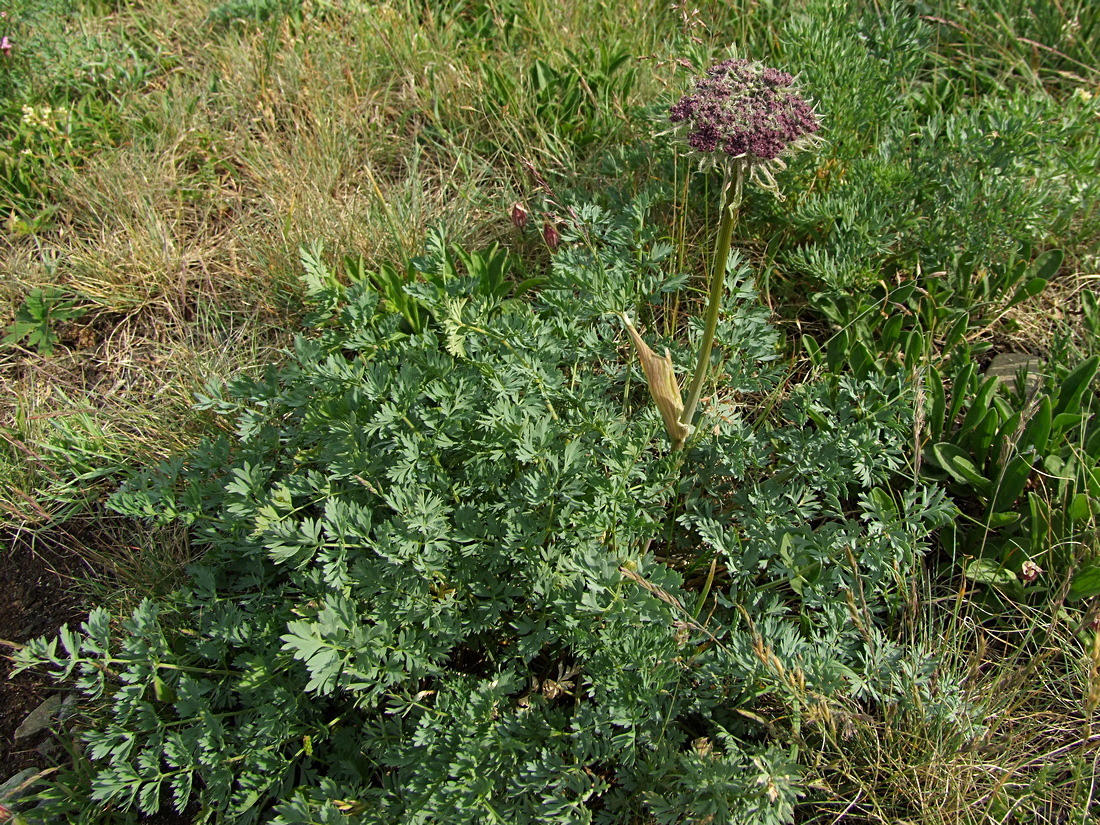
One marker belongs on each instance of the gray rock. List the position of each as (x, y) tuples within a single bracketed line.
[(11, 786), (39, 718), (1006, 366)]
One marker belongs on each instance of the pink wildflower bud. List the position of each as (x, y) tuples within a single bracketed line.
[(519, 216), (5, 46), (551, 235), (1030, 571)]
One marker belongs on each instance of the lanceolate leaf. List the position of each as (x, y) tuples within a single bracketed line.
[(1085, 582), (960, 467)]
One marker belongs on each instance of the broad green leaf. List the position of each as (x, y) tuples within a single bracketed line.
[(1010, 485), (960, 467), (938, 404), (980, 406), (860, 360), (1046, 266), (891, 332), (1079, 508), (956, 333), (837, 351), (1039, 524), (1063, 423), (1037, 430), (1028, 290), (1073, 386), (960, 392), (979, 440), (916, 348), (998, 521), (989, 571), (813, 350), (1006, 436), (903, 293), (1085, 582)]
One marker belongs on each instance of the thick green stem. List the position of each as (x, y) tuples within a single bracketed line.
[(731, 201)]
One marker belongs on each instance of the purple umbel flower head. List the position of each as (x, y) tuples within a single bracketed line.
[(747, 112)]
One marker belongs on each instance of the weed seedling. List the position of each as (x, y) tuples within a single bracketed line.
[(35, 320)]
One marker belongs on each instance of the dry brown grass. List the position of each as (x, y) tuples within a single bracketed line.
[(181, 239), (1007, 734)]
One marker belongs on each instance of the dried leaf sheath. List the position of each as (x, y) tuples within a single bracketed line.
[(661, 379)]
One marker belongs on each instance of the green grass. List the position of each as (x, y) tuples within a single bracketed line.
[(202, 145)]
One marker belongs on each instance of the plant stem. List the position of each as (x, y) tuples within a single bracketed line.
[(731, 201)]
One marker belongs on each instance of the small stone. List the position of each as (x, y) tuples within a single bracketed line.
[(1006, 365), (11, 787), (39, 718)]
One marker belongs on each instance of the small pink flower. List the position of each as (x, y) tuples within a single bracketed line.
[(1030, 571), (551, 235), (5, 46), (519, 215)]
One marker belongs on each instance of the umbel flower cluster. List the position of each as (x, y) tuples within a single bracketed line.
[(745, 111)]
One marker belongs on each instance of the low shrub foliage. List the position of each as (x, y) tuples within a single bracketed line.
[(441, 580), (449, 569)]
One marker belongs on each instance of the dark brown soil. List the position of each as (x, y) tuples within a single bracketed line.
[(39, 592), (36, 598)]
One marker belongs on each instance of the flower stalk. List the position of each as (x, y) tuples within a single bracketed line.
[(731, 203)]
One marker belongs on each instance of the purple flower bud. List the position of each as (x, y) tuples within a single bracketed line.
[(551, 235), (519, 216), (745, 110)]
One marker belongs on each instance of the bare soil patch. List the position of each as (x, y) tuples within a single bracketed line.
[(36, 598)]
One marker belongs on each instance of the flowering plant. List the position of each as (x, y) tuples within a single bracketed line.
[(741, 117)]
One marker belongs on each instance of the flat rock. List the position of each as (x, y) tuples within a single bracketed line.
[(39, 718), (11, 785), (1008, 364)]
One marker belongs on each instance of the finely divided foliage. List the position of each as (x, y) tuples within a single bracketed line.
[(433, 590), (448, 569)]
